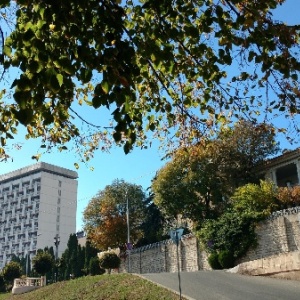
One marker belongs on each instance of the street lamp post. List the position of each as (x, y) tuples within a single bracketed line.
[(128, 231), (56, 243), (27, 263)]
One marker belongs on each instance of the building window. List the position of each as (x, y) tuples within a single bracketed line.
[(59, 192), (59, 183)]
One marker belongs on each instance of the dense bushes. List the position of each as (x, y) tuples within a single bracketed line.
[(213, 260), (11, 271), (230, 236)]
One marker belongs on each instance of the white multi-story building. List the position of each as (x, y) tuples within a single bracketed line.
[(37, 205)]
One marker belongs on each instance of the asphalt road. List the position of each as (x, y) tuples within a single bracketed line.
[(221, 285)]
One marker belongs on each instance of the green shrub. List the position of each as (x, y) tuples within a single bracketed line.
[(109, 260), (213, 261), (258, 200), (226, 259), (11, 271), (233, 232), (2, 284), (94, 267)]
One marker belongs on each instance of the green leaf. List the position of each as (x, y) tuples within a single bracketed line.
[(7, 50), (60, 79), (105, 87)]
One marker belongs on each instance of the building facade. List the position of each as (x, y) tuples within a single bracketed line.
[(37, 207), (283, 170)]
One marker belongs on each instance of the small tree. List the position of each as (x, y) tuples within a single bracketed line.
[(43, 263), (11, 271), (109, 260)]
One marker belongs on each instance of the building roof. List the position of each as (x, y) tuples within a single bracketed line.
[(285, 157), (36, 168)]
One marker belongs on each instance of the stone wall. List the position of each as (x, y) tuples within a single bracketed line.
[(162, 257), (277, 236), (280, 233)]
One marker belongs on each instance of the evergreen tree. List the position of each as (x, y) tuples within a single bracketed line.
[(90, 252)]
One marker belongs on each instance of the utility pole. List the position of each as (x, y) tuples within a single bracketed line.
[(128, 230)]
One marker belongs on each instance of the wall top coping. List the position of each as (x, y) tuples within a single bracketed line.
[(39, 167), (284, 212), (158, 244)]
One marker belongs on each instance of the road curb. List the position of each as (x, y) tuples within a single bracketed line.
[(158, 284)]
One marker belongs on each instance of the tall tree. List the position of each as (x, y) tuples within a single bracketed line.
[(150, 63), (153, 226), (242, 148), (189, 184), (198, 180), (90, 252), (105, 217)]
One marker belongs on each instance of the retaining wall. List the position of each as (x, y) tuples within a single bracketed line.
[(162, 257), (277, 236)]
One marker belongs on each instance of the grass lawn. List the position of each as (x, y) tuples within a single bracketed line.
[(103, 287)]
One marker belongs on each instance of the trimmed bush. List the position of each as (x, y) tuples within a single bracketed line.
[(109, 260), (213, 261), (94, 267), (226, 259)]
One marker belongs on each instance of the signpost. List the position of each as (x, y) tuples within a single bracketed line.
[(175, 235)]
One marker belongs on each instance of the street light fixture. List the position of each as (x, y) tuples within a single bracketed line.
[(56, 243)]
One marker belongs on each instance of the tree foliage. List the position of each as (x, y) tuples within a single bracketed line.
[(182, 67), (256, 199), (2, 283), (199, 180), (94, 267), (11, 271), (43, 262), (105, 216), (90, 253), (288, 196), (74, 260), (153, 226), (233, 233), (109, 260)]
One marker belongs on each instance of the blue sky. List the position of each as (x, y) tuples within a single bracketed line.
[(138, 167)]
